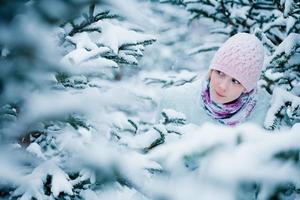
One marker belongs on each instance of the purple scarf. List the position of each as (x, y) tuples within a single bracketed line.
[(231, 113)]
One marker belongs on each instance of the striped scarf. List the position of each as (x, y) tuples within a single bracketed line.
[(231, 113)]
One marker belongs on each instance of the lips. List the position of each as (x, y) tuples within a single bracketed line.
[(220, 95)]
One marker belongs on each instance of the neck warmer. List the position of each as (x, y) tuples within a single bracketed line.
[(231, 113)]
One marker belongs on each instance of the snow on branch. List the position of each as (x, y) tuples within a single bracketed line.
[(282, 67), (285, 107), (205, 48), (166, 80), (32, 185), (117, 42), (99, 47), (218, 158), (81, 24), (270, 47), (173, 117)]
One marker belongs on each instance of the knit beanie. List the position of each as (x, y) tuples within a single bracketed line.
[(241, 57)]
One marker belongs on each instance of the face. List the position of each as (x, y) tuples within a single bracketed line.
[(224, 88)]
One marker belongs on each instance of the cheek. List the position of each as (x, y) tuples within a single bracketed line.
[(236, 92), (213, 81)]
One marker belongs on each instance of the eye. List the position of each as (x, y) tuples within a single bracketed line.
[(236, 81), (220, 73)]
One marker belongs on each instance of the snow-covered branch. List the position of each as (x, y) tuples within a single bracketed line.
[(285, 108)]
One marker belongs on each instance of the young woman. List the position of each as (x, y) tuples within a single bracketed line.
[(228, 94)]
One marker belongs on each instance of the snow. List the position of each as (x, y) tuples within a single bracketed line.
[(80, 55), (36, 149), (114, 36), (88, 56), (224, 161), (240, 12), (95, 65), (172, 114), (281, 21), (68, 28), (62, 102), (287, 6), (170, 79), (289, 44), (140, 141), (210, 9), (118, 192), (279, 98), (290, 22), (296, 128), (9, 172), (129, 58), (273, 76), (287, 47), (207, 162), (138, 49), (82, 41), (89, 194), (32, 184), (97, 154), (60, 181)]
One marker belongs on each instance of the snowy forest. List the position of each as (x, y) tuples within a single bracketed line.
[(81, 80)]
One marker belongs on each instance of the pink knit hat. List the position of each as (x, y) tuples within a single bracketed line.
[(241, 57)]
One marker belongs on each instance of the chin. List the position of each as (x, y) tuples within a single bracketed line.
[(222, 101), (216, 100)]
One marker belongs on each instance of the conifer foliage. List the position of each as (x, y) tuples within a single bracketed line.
[(74, 124), (59, 60)]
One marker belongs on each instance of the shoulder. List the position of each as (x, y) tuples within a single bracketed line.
[(183, 99), (184, 94), (182, 91)]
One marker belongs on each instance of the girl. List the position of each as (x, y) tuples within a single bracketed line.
[(228, 94)]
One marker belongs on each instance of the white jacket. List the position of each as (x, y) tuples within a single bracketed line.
[(186, 99)]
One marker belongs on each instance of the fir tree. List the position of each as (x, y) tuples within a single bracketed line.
[(58, 98)]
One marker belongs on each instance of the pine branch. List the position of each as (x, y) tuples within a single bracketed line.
[(282, 101), (91, 19)]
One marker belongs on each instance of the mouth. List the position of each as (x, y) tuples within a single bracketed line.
[(220, 95)]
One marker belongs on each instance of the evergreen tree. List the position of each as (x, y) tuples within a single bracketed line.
[(77, 124), (59, 101)]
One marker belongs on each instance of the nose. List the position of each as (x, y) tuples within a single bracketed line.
[(223, 84)]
